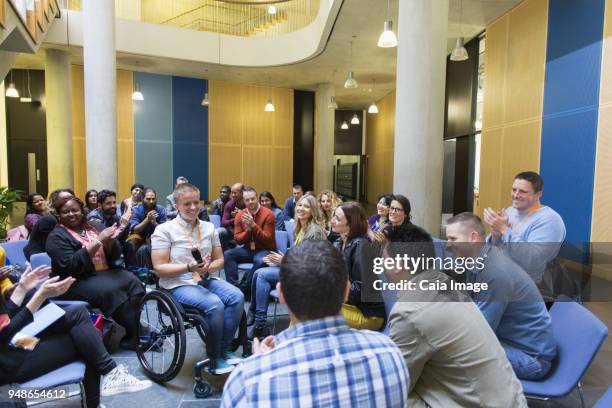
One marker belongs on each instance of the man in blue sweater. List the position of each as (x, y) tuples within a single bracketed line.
[(511, 302), (289, 210), (530, 233)]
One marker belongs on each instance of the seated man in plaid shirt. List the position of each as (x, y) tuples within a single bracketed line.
[(319, 361)]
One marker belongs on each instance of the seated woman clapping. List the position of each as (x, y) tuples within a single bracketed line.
[(185, 251), (308, 226), (70, 338), (94, 259)]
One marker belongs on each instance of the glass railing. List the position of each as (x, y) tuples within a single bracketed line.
[(235, 17)]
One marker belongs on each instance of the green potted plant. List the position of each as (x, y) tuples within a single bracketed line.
[(7, 197)]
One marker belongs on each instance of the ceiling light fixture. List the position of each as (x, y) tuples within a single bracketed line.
[(387, 38), (459, 53), (11, 91), (27, 99), (373, 108), (332, 103), (355, 120), (269, 105), (351, 82), (137, 95), (344, 125), (272, 9), (205, 101)]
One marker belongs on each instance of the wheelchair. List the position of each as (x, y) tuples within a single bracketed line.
[(163, 340)]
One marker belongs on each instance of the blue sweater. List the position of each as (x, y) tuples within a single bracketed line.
[(512, 305), (543, 229)]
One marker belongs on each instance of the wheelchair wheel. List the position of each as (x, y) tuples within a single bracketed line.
[(202, 389), (162, 339)]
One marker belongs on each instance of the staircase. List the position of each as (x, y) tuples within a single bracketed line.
[(23, 27)]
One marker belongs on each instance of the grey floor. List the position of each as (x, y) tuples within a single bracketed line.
[(179, 392)]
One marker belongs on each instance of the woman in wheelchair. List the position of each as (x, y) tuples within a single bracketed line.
[(94, 259), (70, 338), (185, 251)]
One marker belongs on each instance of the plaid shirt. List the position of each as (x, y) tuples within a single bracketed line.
[(322, 363)]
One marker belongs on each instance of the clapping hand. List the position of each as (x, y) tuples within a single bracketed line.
[(273, 258), (264, 346), (54, 287), (108, 233), (248, 220), (497, 221), (31, 278)]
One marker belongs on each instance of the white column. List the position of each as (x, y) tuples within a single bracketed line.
[(100, 93), (419, 111), (325, 139), (58, 95)]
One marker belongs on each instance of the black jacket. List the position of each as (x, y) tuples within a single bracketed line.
[(353, 257), (38, 237), (69, 258), (10, 357)]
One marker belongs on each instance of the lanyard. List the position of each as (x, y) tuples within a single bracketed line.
[(515, 227), (188, 236)]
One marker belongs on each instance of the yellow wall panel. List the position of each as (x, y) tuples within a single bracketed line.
[(248, 144), (79, 160), (380, 134), (526, 61), (521, 152), (495, 72), (125, 134), (490, 170)]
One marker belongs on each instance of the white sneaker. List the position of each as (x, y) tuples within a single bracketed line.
[(120, 381)]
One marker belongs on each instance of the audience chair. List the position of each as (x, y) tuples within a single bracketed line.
[(215, 219), (579, 335), (14, 252), (72, 373), (605, 401), (289, 229), (281, 245)]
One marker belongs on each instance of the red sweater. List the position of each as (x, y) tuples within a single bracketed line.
[(262, 233)]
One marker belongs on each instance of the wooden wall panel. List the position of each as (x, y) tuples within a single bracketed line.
[(601, 226), (526, 61), (380, 141), (79, 161), (125, 133), (248, 144), (515, 62)]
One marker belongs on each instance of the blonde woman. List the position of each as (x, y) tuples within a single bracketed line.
[(328, 202), (308, 226)]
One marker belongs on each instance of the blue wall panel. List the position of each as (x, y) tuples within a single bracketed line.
[(571, 97), (153, 134), (190, 131)]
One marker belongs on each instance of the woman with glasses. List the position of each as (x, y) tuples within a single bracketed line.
[(379, 221), (78, 250), (399, 215), (350, 223)]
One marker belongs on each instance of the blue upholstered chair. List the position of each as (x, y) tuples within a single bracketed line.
[(14, 252), (605, 401), (72, 373), (216, 220), (579, 335)]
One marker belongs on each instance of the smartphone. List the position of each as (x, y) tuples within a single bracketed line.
[(197, 255)]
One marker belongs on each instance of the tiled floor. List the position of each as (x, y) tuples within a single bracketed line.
[(179, 392)]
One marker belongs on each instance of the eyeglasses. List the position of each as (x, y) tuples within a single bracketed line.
[(396, 209)]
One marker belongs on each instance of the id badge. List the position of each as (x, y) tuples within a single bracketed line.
[(252, 245)]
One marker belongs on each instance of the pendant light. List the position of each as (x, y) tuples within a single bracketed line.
[(344, 125), (272, 9), (387, 38), (269, 105), (459, 53), (373, 108), (27, 99), (11, 91), (137, 95), (332, 99), (205, 101), (355, 120), (351, 82)]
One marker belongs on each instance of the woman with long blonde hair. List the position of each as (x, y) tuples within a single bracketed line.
[(328, 202)]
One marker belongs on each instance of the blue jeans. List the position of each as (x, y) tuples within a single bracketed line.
[(221, 304), (264, 280), (238, 255), (526, 366)]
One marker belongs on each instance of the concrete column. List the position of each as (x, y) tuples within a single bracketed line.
[(58, 96), (324, 177), (419, 111), (100, 78)]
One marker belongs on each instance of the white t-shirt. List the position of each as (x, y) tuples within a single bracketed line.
[(180, 238)]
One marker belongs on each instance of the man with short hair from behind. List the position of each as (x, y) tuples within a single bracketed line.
[(254, 230), (451, 352), (289, 210), (511, 303), (529, 232), (318, 361)]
